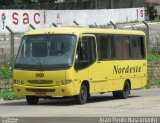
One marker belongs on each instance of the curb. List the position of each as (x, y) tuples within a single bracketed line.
[(1, 101)]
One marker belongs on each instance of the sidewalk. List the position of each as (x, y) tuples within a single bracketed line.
[(2, 102)]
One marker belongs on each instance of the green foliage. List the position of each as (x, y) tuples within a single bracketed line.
[(8, 2), (153, 57), (5, 71), (18, 1), (154, 54), (155, 50), (153, 83), (8, 94)]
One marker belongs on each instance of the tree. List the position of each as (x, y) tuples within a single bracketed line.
[(46, 1), (7, 2)]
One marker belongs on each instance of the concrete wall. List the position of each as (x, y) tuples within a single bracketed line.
[(158, 9), (154, 70), (154, 38), (19, 20)]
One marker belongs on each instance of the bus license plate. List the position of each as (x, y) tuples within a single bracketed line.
[(40, 94)]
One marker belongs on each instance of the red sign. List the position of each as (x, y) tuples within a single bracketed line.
[(26, 18)]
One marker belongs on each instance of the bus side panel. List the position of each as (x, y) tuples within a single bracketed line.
[(98, 77), (102, 79), (144, 77), (144, 81), (136, 82), (79, 77), (121, 70)]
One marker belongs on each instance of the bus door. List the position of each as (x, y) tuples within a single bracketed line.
[(97, 70), (85, 57), (96, 75)]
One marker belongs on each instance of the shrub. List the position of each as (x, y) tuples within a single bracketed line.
[(8, 94), (6, 71), (155, 50)]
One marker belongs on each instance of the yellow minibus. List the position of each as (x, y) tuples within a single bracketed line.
[(79, 61)]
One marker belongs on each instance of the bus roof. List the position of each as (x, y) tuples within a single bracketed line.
[(82, 30)]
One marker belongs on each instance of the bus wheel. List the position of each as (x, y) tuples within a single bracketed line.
[(83, 96), (124, 93), (88, 96), (32, 100), (116, 94)]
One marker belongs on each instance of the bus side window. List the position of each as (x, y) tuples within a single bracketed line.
[(105, 47), (142, 47), (137, 47), (122, 47), (82, 54), (86, 52)]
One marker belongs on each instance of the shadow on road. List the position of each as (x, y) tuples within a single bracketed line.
[(62, 102)]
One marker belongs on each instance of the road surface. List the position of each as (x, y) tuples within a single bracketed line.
[(145, 102)]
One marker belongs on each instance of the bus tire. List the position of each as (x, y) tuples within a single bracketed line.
[(126, 90), (83, 96), (32, 100), (116, 94), (88, 96), (124, 93)]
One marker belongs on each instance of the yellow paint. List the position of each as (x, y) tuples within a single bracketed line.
[(101, 75)]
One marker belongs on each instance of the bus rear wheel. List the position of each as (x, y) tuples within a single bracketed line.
[(83, 96), (32, 100), (124, 93)]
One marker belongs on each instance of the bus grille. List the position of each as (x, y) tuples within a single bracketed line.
[(39, 90), (40, 81)]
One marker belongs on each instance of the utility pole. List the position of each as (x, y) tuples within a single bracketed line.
[(147, 33), (11, 43)]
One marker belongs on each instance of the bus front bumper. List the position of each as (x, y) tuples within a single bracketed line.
[(62, 90)]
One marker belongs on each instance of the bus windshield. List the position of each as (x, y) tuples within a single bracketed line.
[(46, 51)]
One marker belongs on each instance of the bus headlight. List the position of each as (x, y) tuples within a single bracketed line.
[(19, 82), (58, 83), (63, 82), (68, 81)]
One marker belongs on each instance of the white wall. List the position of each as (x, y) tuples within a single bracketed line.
[(19, 20)]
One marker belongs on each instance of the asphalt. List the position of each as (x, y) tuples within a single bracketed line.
[(141, 103)]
